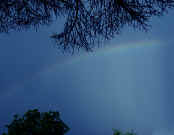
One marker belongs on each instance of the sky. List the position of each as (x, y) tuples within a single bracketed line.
[(127, 84)]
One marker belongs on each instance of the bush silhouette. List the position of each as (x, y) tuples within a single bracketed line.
[(34, 122), (117, 132)]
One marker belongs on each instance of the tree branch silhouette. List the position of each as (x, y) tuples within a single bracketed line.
[(87, 22)]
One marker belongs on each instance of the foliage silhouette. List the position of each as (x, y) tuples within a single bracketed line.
[(36, 123), (117, 132), (87, 22)]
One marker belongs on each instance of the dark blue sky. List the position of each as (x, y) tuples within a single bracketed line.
[(128, 84)]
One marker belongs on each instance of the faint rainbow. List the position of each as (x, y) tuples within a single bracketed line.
[(121, 48), (110, 49)]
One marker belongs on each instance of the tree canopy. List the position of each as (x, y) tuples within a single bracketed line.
[(117, 132), (36, 123), (87, 22)]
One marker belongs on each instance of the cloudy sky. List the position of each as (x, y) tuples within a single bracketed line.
[(128, 84)]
